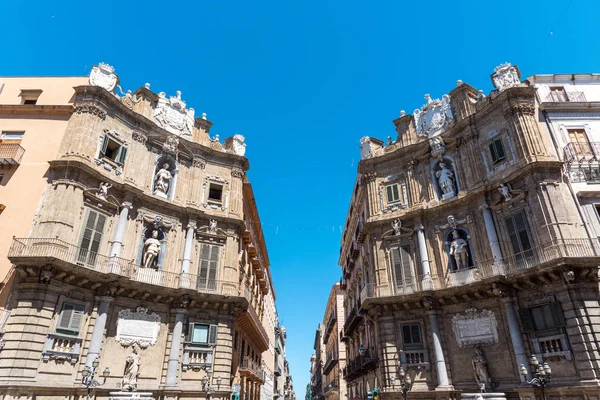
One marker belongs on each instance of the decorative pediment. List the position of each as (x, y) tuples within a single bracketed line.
[(100, 198), (157, 220), (211, 232), (103, 76), (171, 114), (509, 197), (397, 231), (434, 117), (453, 222)]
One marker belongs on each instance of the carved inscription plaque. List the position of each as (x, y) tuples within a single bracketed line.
[(137, 327), (475, 328)]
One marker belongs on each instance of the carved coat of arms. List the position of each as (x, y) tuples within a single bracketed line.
[(172, 115), (433, 118), (505, 76), (103, 75), (239, 147)]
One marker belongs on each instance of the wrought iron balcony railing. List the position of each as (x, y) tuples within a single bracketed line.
[(11, 153), (561, 96)]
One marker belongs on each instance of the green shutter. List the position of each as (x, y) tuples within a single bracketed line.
[(91, 236), (214, 263), (104, 145), (526, 320), (70, 318), (401, 262), (212, 334), (500, 153), (390, 196), (122, 155), (557, 315)]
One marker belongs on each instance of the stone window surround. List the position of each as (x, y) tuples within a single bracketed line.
[(223, 205), (420, 349), (108, 163), (402, 202), (486, 154), (60, 356)]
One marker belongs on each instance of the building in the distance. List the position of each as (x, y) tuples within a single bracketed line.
[(471, 245), (334, 363), (139, 263), (316, 361)]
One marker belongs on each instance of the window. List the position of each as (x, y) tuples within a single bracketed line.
[(215, 192), (497, 151), (545, 318), (393, 193), (579, 142), (1, 178), (203, 334), (69, 320), (91, 236), (209, 263), (411, 336), (520, 238), (30, 96), (12, 137), (402, 266), (113, 150)]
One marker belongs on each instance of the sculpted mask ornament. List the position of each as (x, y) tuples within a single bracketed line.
[(506, 76), (239, 147), (434, 117), (103, 76), (172, 115)]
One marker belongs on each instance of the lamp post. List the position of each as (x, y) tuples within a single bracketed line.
[(542, 374), (206, 386), (90, 373), (405, 382)]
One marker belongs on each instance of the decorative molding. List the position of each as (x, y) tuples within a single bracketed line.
[(103, 76), (172, 115), (157, 220), (453, 223), (237, 173), (434, 117), (139, 136), (137, 327), (475, 328), (506, 76), (524, 108), (170, 146), (90, 109), (130, 100)]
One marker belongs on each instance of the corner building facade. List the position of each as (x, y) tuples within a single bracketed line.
[(143, 257), (464, 253)]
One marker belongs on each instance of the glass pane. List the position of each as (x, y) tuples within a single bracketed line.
[(389, 194), (200, 334), (396, 194), (500, 154), (537, 313)]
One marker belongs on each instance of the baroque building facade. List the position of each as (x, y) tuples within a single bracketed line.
[(145, 261), (334, 388), (465, 251)]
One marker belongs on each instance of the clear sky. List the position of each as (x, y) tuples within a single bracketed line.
[(303, 81)]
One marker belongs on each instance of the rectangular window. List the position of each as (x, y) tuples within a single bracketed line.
[(113, 150), (91, 237), (30, 96), (411, 336), (393, 193), (545, 318), (12, 137), (235, 340), (520, 236), (209, 264), (579, 142), (215, 192), (497, 151), (203, 334), (69, 320), (402, 267)]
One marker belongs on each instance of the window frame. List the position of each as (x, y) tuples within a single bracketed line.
[(68, 331), (86, 253), (221, 186), (206, 285), (121, 156), (412, 346), (391, 186), (8, 140), (493, 149), (211, 334), (523, 252)]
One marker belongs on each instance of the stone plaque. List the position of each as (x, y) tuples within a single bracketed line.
[(137, 327), (475, 328)]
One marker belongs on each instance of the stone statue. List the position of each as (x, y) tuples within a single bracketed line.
[(151, 249), (505, 191), (445, 179), (397, 227), (459, 249), (103, 189), (212, 226), (132, 369), (162, 181), (480, 369)]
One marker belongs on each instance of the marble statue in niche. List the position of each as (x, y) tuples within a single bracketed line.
[(459, 249), (445, 178), (151, 250), (480, 369), (162, 181), (132, 369)]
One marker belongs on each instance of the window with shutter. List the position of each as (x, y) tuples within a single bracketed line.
[(212, 334), (526, 320), (520, 236), (70, 318), (497, 151), (402, 266), (411, 336), (209, 263), (91, 237), (113, 150), (199, 333), (392, 193)]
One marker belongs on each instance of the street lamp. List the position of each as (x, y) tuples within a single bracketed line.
[(90, 373), (405, 382), (206, 386), (542, 374)]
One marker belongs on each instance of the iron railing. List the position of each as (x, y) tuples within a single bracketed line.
[(561, 96), (11, 153), (50, 249)]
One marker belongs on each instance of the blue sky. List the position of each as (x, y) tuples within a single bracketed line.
[(303, 81)]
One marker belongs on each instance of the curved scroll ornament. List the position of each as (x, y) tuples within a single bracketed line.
[(103, 76), (137, 327), (475, 328)]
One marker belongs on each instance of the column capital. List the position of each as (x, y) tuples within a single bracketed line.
[(508, 299), (484, 207), (419, 226), (192, 224), (127, 204), (180, 310), (104, 298)]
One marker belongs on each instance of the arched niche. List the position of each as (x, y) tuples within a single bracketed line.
[(462, 235), (162, 238), (169, 163), (445, 178)]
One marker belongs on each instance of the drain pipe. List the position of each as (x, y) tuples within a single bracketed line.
[(586, 224)]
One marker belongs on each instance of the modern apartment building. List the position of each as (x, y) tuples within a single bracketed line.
[(140, 266), (466, 251), (335, 350)]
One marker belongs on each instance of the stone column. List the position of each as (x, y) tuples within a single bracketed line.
[(115, 248), (515, 336), (98, 333), (173, 364), (425, 268), (492, 236), (184, 282), (438, 352), (243, 388)]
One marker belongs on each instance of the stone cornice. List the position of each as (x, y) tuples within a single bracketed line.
[(570, 106), (36, 109), (95, 94)]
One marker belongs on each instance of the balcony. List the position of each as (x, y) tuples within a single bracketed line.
[(330, 325), (11, 153), (583, 161), (251, 370), (197, 358), (331, 386), (250, 322), (277, 371), (41, 251), (332, 360), (562, 96), (354, 250), (557, 251), (360, 365), (352, 320), (362, 235)]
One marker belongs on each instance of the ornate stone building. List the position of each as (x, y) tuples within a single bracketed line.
[(145, 269), (316, 365), (334, 388), (465, 252)]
